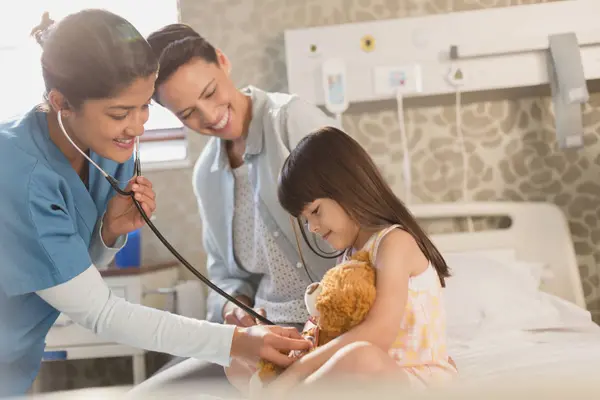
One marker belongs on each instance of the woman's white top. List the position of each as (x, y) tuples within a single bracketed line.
[(257, 252)]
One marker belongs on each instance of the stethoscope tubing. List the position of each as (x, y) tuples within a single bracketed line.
[(181, 259), (137, 172)]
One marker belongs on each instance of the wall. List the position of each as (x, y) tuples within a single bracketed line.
[(510, 135)]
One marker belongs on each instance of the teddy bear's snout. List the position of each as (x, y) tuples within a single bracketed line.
[(312, 287)]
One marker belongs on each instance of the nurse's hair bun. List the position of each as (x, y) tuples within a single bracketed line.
[(39, 32)]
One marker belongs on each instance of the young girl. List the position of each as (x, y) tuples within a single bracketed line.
[(331, 183)]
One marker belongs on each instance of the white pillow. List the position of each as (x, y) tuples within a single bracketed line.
[(486, 295), (572, 316), (529, 270)]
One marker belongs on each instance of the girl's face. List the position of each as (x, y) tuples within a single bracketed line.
[(325, 217), (205, 99)]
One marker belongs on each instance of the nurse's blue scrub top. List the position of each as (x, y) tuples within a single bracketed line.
[(47, 217)]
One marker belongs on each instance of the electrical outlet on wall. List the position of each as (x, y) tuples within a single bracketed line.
[(391, 79)]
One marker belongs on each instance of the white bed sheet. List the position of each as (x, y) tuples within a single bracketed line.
[(569, 350)]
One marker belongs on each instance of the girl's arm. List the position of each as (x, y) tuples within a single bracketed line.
[(397, 257)]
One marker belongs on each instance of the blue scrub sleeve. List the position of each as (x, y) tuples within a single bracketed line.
[(41, 247)]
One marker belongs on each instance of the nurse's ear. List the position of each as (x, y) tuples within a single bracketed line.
[(59, 102)]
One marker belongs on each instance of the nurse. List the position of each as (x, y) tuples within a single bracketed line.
[(60, 219)]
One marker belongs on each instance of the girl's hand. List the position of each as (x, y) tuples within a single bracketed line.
[(122, 216)]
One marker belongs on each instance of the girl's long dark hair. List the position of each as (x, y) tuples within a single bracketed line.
[(330, 164)]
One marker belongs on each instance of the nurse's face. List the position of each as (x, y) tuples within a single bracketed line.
[(205, 99), (108, 126)]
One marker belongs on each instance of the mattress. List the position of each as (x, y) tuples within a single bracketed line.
[(570, 349)]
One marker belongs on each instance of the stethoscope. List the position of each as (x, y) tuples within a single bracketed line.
[(323, 254), (137, 171)]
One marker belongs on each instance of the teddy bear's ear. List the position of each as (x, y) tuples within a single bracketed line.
[(362, 255), (310, 298)]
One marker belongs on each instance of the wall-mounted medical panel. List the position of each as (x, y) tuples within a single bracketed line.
[(485, 49)]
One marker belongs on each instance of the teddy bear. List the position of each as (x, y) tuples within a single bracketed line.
[(340, 301)]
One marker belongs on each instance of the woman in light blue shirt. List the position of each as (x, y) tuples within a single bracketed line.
[(60, 219), (249, 239)]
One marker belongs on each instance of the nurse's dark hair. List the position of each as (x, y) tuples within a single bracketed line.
[(329, 164), (176, 45), (92, 54)]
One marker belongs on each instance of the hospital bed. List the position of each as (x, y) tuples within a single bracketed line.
[(515, 304)]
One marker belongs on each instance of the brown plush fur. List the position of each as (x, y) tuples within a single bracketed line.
[(348, 292)]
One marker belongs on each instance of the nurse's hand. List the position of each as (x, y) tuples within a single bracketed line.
[(122, 216), (270, 343)]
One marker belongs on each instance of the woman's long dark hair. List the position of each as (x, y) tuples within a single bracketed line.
[(330, 164)]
